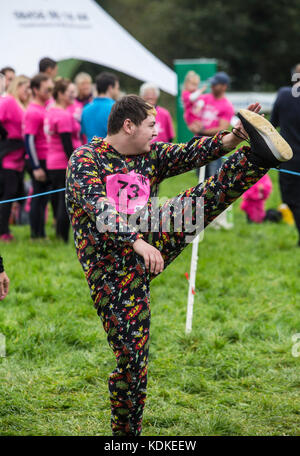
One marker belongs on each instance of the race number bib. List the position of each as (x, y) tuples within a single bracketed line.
[(129, 192)]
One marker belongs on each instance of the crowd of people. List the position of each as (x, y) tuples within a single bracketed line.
[(45, 118), (42, 121)]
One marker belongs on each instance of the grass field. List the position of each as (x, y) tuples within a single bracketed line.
[(234, 375)]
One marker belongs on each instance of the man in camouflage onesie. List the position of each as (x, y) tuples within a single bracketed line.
[(112, 178)]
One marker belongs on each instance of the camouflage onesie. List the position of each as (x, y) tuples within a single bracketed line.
[(97, 175)]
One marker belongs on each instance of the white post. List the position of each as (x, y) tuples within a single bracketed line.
[(193, 270)]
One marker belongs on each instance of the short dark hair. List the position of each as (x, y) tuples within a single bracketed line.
[(36, 81), (60, 86), (6, 69), (104, 80), (46, 63), (130, 107)]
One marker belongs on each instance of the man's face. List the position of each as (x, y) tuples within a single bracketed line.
[(52, 72), (219, 90), (45, 91), (9, 77), (143, 134), (115, 91), (150, 96)]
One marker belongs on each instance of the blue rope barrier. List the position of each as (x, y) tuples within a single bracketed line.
[(63, 189), (287, 171), (32, 196)]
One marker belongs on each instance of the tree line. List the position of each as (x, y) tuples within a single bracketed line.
[(255, 41)]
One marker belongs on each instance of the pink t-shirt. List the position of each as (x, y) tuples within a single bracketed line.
[(34, 125), (76, 110), (214, 110), (164, 125), (11, 117), (49, 103), (57, 121), (191, 111)]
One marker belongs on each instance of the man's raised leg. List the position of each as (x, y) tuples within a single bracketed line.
[(236, 175)]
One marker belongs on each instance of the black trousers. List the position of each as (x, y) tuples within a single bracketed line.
[(58, 180), (290, 194), (38, 205), (11, 186)]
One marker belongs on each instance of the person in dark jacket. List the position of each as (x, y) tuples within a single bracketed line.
[(286, 115)]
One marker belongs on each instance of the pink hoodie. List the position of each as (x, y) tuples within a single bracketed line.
[(254, 199)]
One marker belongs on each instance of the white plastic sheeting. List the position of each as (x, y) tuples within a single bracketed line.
[(80, 29)]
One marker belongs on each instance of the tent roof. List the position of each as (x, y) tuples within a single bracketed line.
[(78, 29)]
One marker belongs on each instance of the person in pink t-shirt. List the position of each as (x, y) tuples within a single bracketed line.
[(215, 115), (75, 108), (49, 67), (12, 150), (191, 100), (216, 110), (61, 131), (163, 121), (9, 75), (37, 150)]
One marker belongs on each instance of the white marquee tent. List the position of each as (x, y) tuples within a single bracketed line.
[(80, 29)]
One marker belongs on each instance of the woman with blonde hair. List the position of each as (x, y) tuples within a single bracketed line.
[(192, 102), (62, 134), (84, 84), (12, 149)]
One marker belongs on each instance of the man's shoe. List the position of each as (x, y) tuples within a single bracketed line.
[(268, 148)]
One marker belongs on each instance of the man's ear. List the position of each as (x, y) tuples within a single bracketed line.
[(128, 126)]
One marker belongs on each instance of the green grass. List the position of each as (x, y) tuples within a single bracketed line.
[(234, 375)]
